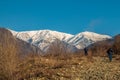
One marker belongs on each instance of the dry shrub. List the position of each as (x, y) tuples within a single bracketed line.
[(100, 48), (90, 56), (116, 45), (58, 50), (8, 55), (38, 66)]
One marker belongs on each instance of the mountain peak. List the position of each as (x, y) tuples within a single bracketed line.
[(43, 38), (89, 34)]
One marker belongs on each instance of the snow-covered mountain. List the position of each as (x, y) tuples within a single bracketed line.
[(86, 38), (44, 38)]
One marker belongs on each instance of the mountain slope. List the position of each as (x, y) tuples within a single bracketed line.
[(86, 38), (41, 38), (44, 38), (22, 47)]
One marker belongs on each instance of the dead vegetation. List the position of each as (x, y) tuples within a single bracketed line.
[(68, 66), (75, 68), (116, 45), (8, 55), (57, 64)]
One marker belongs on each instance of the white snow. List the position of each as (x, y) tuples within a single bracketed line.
[(43, 38)]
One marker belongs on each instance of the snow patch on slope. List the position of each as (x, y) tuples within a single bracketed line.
[(44, 38)]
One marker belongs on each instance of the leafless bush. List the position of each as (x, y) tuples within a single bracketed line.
[(58, 50), (116, 45), (100, 48), (8, 55)]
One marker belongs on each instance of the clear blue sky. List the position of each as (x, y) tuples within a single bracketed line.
[(70, 16)]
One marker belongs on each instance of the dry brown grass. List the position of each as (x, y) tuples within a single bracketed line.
[(58, 65), (75, 68), (8, 55)]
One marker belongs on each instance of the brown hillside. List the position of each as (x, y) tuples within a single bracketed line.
[(8, 54), (116, 45), (100, 48), (10, 49)]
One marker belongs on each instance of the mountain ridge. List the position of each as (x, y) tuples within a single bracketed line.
[(44, 38)]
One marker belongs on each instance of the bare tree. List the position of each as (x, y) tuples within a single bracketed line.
[(116, 45), (57, 48)]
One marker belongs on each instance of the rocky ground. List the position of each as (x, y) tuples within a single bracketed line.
[(76, 68)]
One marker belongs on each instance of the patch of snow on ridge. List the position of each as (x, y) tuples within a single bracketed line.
[(43, 38)]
